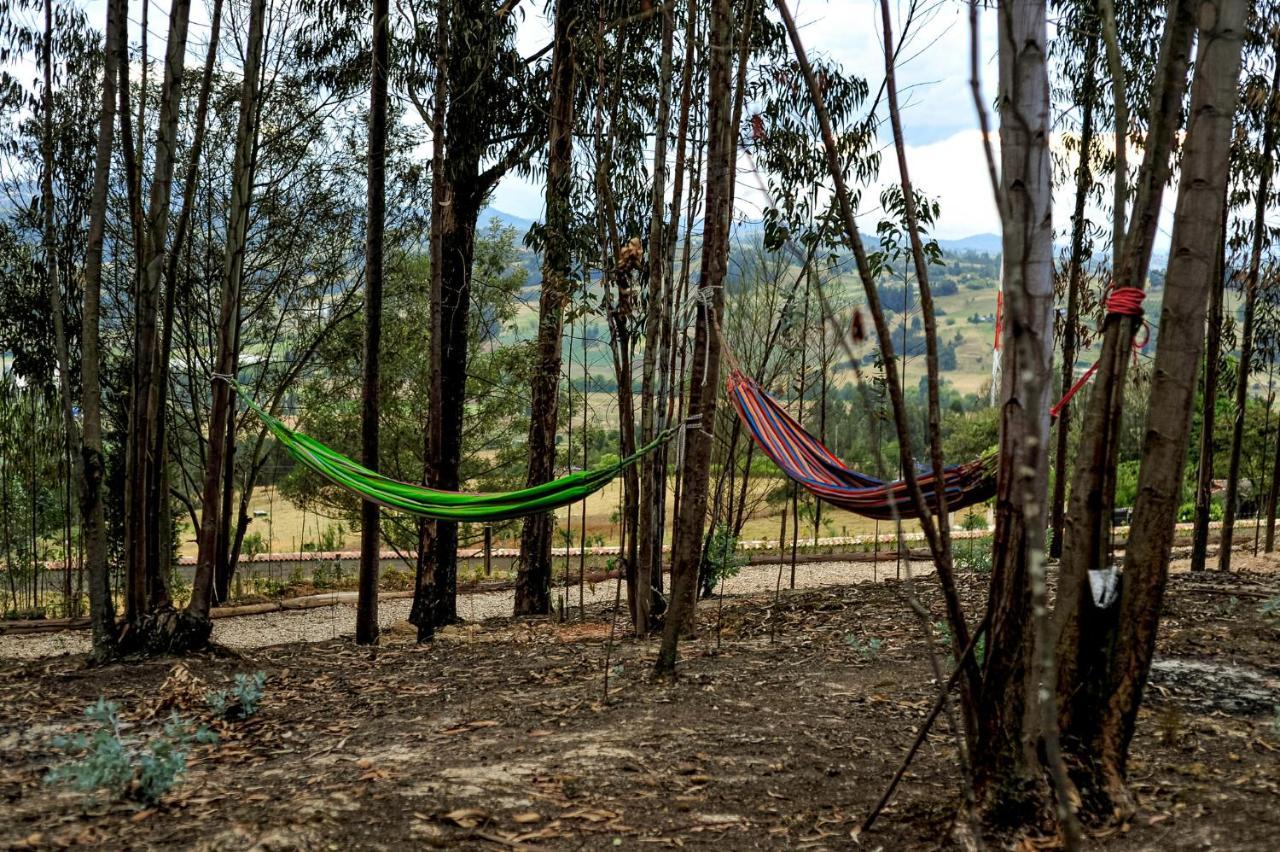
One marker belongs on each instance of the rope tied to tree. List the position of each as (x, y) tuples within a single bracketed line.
[(1121, 302)]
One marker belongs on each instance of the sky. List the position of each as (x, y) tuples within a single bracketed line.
[(944, 144)]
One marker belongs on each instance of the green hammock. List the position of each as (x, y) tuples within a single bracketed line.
[(442, 505)]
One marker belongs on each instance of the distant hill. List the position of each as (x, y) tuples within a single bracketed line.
[(508, 220), (980, 243)]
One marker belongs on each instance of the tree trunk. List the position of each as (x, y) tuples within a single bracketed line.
[(1260, 237), (653, 484), (370, 539), (1082, 626), (1196, 229), (145, 590), (533, 581), (1075, 272), (62, 351), (93, 522), (1005, 762), (1209, 408), (1088, 634), (704, 386), (221, 412), (424, 579)]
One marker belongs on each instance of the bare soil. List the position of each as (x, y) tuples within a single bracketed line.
[(780, 732)]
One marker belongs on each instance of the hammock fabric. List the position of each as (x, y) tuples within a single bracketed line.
[(804, 459), (442, 505)]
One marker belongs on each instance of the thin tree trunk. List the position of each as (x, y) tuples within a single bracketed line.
[(533, 580), (92, 465), (424, 582), (1260, 237), (704, 385), (1075, 273), (1196, 229), (652, 472), (1209, 408), (50, 250), (370, 538), (221, 413)]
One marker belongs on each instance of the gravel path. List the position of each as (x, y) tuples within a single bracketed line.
[(317, 625)]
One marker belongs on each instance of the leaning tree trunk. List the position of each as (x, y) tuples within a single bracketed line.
[(370, 539), (1075, 274), (92, 519), (704, 380), (1209, 397), (533, 581), (1081, 625), (1196, 230), (1260, 237), (221, 409), (1005, 762)]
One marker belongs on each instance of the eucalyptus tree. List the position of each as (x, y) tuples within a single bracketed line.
[(1260, 118), (533, 582), (375, 232), (492, 122), (148, 606), (1077, 52), (1102, 733), (242, 177), (704, 376), (1080, 623)]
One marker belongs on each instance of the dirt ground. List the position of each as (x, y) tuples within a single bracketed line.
[(780, 733)]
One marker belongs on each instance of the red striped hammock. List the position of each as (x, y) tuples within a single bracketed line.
[(806, 461)]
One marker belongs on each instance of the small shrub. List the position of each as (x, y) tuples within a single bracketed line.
[(1271, 607), (241, 700), (143, 768), (868, 650), (723, 559), (253, 544)]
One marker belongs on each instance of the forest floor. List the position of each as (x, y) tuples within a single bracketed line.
[(780, 733)]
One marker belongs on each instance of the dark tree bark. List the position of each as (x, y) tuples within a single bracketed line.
[(420, 614), (1209, 408), (533, 581), (1075, 273), (473, 110), (1260, 237), (92, 520), (704, 381), (370, 538), (221, 412)]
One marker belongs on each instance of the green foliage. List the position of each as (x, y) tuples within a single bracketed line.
[(868, 650), (142, 767), (241, 700), (253, 544), (724, 560), (974, 555)]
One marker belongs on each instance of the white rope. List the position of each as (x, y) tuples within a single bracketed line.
[(704, 296)]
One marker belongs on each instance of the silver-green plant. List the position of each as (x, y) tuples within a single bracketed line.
[(140, 767)]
